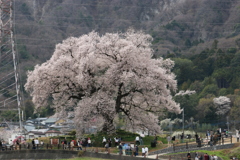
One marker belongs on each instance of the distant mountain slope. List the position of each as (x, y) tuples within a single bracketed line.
[(177, 26), (172, 22)]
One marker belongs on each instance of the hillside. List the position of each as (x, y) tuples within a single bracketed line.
[(178, 26), (204, 32)]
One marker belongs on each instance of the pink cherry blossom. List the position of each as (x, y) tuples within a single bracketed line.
[(99, 77)]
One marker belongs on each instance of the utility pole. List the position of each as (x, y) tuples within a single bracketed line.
[(183, 120), (228, 124), (38, 120), (7, 47), (170, 127)]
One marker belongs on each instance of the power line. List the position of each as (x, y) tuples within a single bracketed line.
[(128, 20), (115, 5), (8, 99), (37, 39), (160, 45), (7, 87), (44, 46), (158, 31), (6, 79), (4, 57), (4, 103), (166, 46), (105, 19), (4, 93), (6, 64), (6, 75)]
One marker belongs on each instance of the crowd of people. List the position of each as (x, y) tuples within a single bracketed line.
[(135, 148), (211, 138), (3, 145), (198, 156), (126, 148), (132, 149), (36, 144), (78, 144)]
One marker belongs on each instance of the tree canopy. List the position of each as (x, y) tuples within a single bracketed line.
[(99, 77)]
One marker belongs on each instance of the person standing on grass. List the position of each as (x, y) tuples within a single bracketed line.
[(72, 144), (41, 144), (65, 143), (89, 142), (116, 141), (36, 143), (33, 144), (146, 151), (79, 144), (11, 144), (136, 150), (124, 149), (169, 140), (237, 135), (106, 147), (182, 137), (104, 141), (0, 145), (143, 151), (109, 141), (137, 140), (120, 148)]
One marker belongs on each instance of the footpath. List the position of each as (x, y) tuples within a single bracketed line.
[(161, 154), (191, 146)]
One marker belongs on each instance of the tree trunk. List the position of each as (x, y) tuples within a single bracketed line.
[(108, 126)]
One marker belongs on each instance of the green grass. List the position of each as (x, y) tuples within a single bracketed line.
[(225, 154)]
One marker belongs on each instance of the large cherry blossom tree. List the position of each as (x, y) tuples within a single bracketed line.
[(99, 77)]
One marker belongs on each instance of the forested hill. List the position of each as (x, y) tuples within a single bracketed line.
[(178, 26), (201, 36)]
